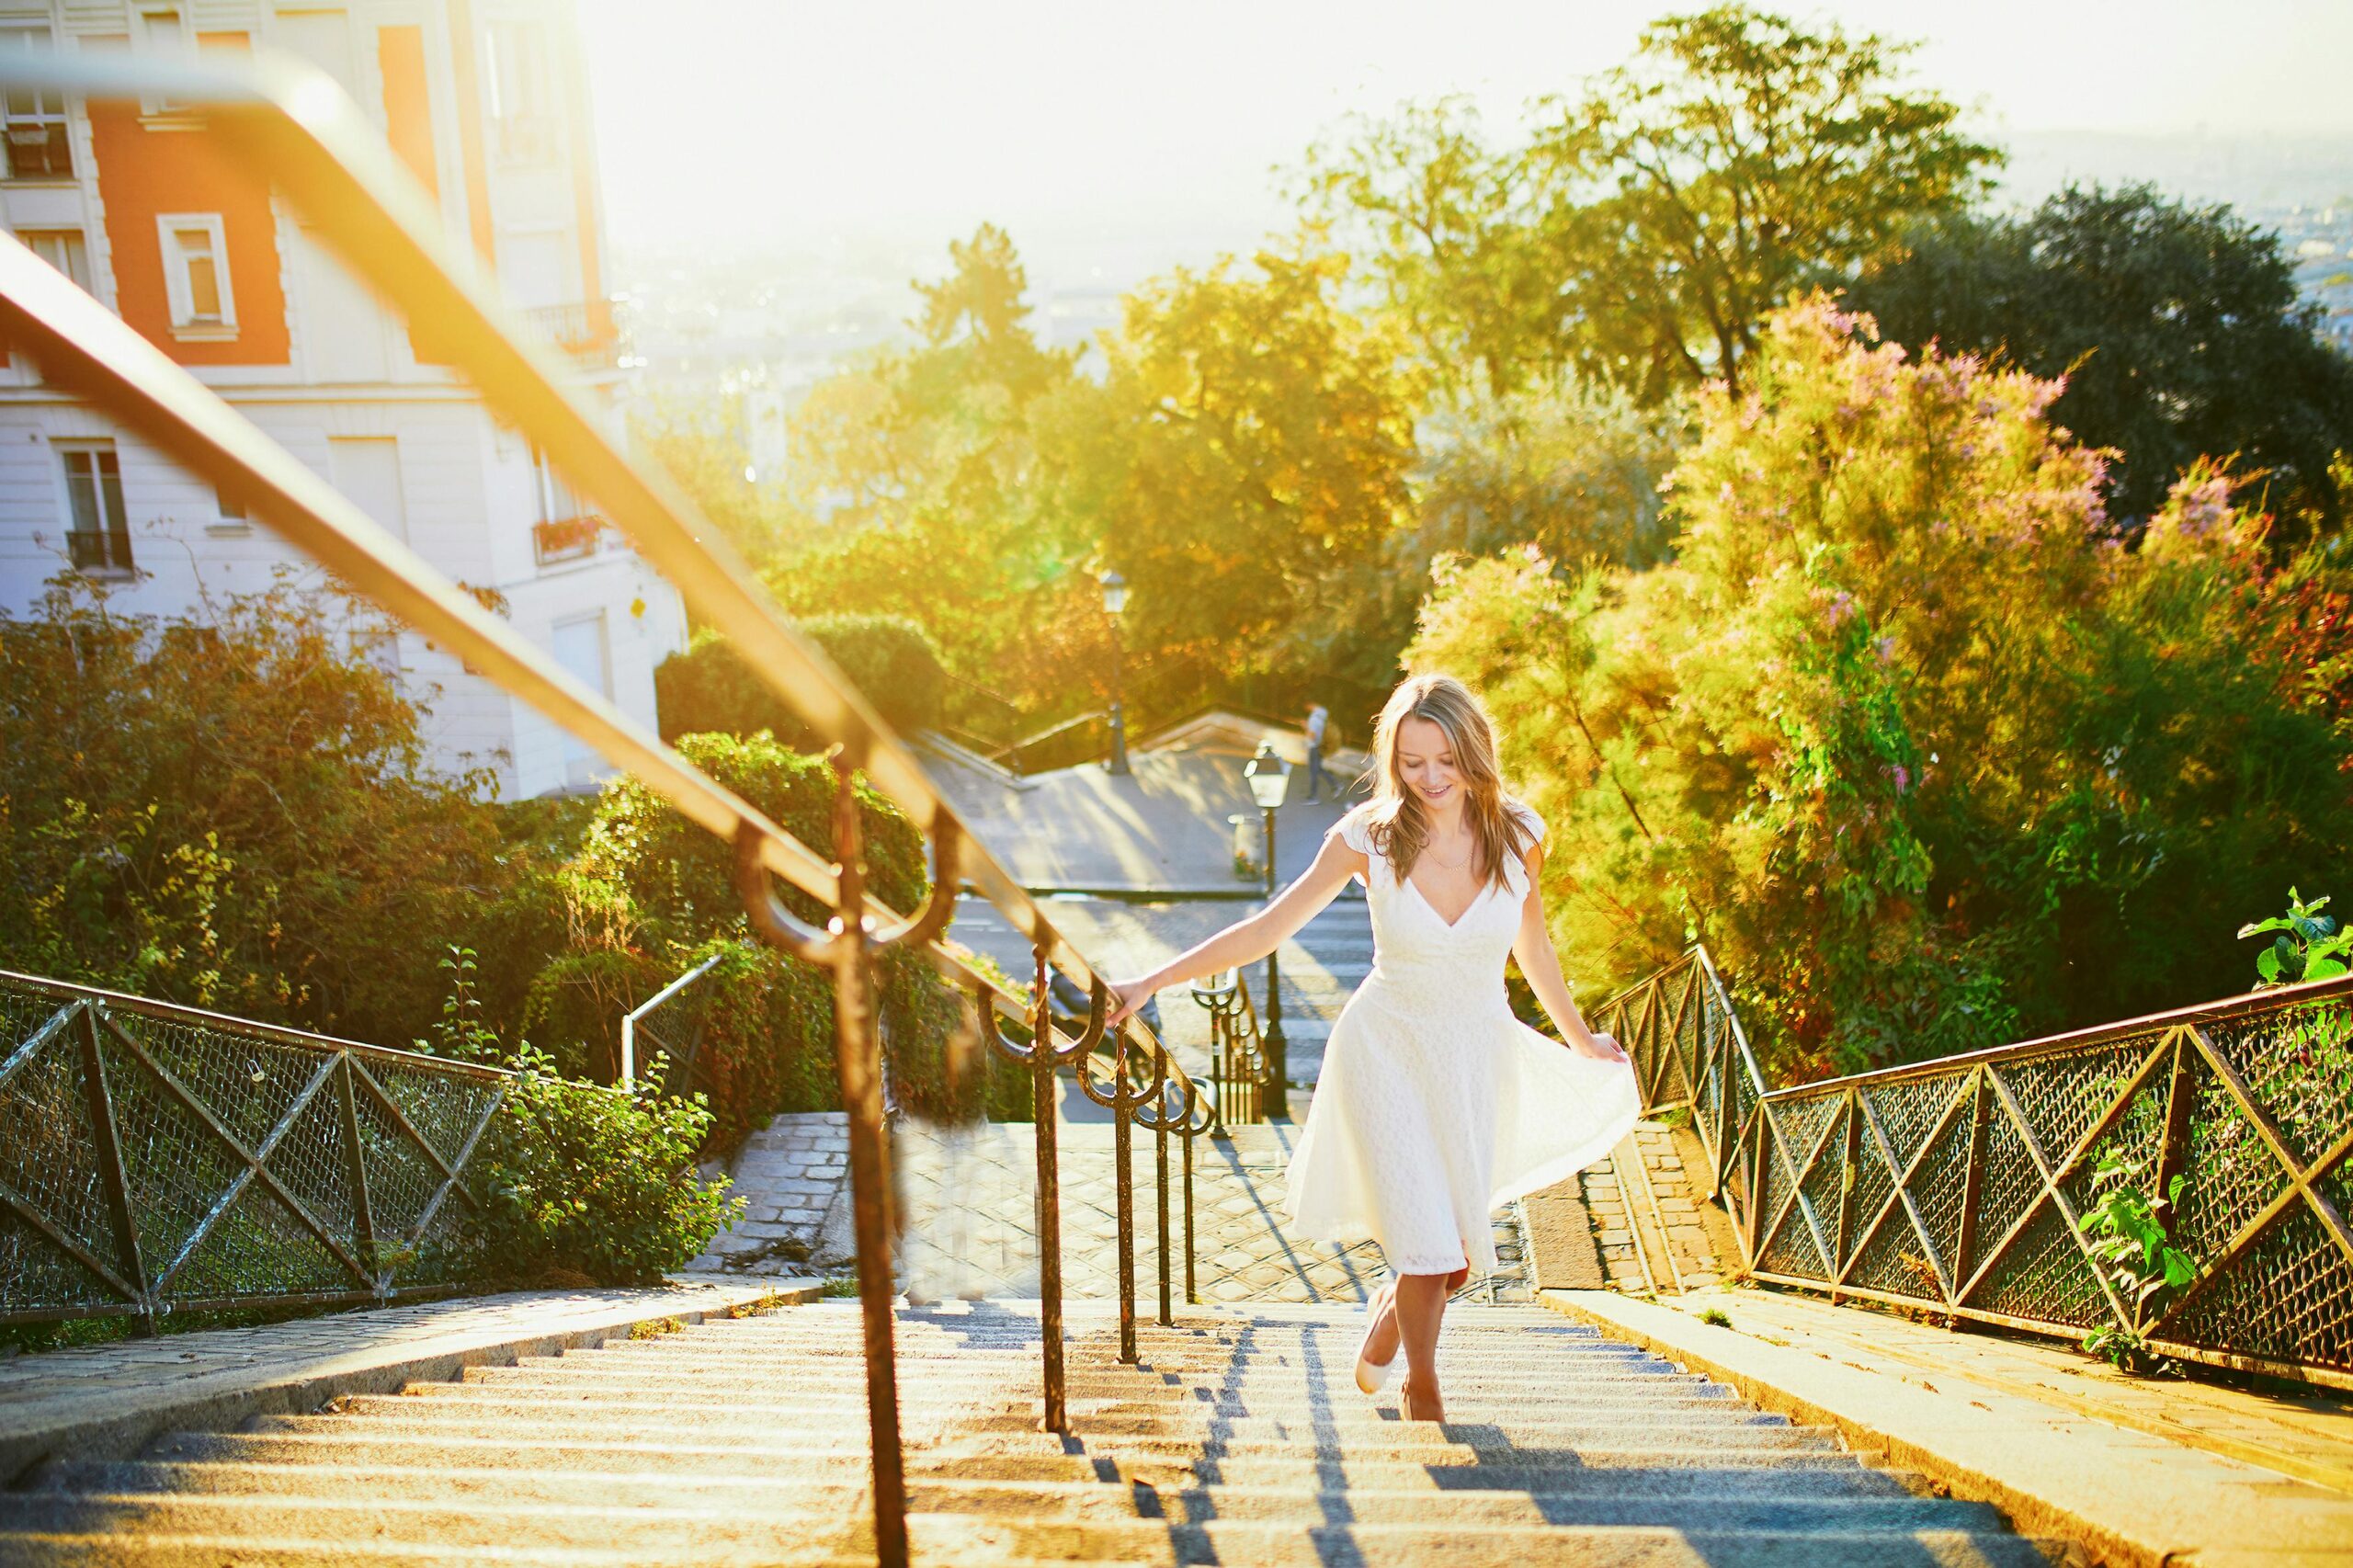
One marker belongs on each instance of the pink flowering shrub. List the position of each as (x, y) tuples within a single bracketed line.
[(1928, 754)]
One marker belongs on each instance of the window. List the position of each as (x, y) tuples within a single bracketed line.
[(522, 102), (196, 274), (163, 34), (229, 518), (63, 249), (98, 529), (40, 146), (562, 532)]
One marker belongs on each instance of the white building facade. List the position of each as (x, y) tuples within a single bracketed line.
[(486, 103)]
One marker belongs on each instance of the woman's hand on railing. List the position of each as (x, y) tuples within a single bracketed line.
[(1604, 1048), (1127, 996)]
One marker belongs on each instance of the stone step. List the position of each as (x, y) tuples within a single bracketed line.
[(1429, 1444), (675, 1463), (844, 1381), (650, 1536), (1692, 1508), (1363, 1431), (935, 1395)]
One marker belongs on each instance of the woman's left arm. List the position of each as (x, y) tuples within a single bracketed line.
[(1541, 965)]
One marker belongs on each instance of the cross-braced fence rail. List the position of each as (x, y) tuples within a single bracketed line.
[(157, 1159), (291, 124), (1963, 1186)]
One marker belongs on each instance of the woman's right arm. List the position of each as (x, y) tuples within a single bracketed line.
[(1246, 941)]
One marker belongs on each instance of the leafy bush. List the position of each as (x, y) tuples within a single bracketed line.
[(708, 688), (2125, 1229), (1905, 731), (229, 809), (583, 1182), (649, 895), (2309, 945)]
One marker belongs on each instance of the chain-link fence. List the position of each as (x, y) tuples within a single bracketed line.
[(1969, 1185), (157, 1159)]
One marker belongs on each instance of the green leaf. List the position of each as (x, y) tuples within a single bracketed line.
[(2266, 964)]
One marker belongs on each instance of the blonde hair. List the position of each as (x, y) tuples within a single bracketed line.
[(1400, 825)]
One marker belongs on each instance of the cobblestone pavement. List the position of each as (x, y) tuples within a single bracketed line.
[(970, 1201), (1650, 1226)]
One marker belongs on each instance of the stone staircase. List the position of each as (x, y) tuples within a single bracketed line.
[(1239, 1438)]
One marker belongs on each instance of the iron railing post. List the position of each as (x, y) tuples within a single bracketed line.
[(99, 1104), (1160, 1193), (1191, 1297), (1850, 1145), (1050, 1202), (1123, 1186), (1973, 1187), (363, 1219), (857, 1067)]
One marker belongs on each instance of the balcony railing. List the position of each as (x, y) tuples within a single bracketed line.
[(40, 149), (565, 538), (586, 329)]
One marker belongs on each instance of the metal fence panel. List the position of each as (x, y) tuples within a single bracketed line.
[(155, 1158)]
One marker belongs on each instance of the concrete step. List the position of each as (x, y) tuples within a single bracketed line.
[(1088, 1499), (650, 1536), (675, 1464), (1239, 1438), (1364, 1431), (1426, 1443), (1290, 1402)]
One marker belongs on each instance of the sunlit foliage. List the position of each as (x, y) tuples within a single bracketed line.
[(2178, 329), (1905, 731), (1642, 229)]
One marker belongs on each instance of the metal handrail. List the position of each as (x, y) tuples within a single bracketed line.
[(292, 121), (630, 1020), (1239, 1070), (1960, 1185)]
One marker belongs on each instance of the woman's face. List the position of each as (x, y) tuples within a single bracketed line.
[(1427, 764)]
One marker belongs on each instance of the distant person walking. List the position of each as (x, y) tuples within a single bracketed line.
[(1317, 720)]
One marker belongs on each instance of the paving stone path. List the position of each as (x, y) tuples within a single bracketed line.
[(969, 1198)]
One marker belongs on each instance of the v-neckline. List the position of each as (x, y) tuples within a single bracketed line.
[(1484, 889)]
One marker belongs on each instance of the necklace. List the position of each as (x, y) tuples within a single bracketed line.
[(1450, 865)]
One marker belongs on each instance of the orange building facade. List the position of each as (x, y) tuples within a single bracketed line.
[(486, 103)]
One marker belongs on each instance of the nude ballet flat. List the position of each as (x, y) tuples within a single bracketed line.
[(1373, 1376)]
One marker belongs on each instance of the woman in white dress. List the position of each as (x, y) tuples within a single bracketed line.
[(1434, 1103)]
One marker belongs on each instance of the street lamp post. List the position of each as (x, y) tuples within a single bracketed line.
[(1269, 779), (1115, 599)]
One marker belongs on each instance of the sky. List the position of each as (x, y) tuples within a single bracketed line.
[(1109, 123)]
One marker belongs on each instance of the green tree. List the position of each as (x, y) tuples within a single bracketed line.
[(1248, 449), (231, 809), (924, 462), (2177, 329), (1903, 730), (1646, 228)]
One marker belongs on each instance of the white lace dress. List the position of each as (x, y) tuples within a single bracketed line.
[(1435, 1103)]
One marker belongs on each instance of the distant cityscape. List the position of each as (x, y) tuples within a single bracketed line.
[(755, 328)]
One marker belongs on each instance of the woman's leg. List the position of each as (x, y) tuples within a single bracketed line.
[(1421, 1307)]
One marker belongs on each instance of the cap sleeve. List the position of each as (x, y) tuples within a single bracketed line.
[(1526, 816), (1352, 831)]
